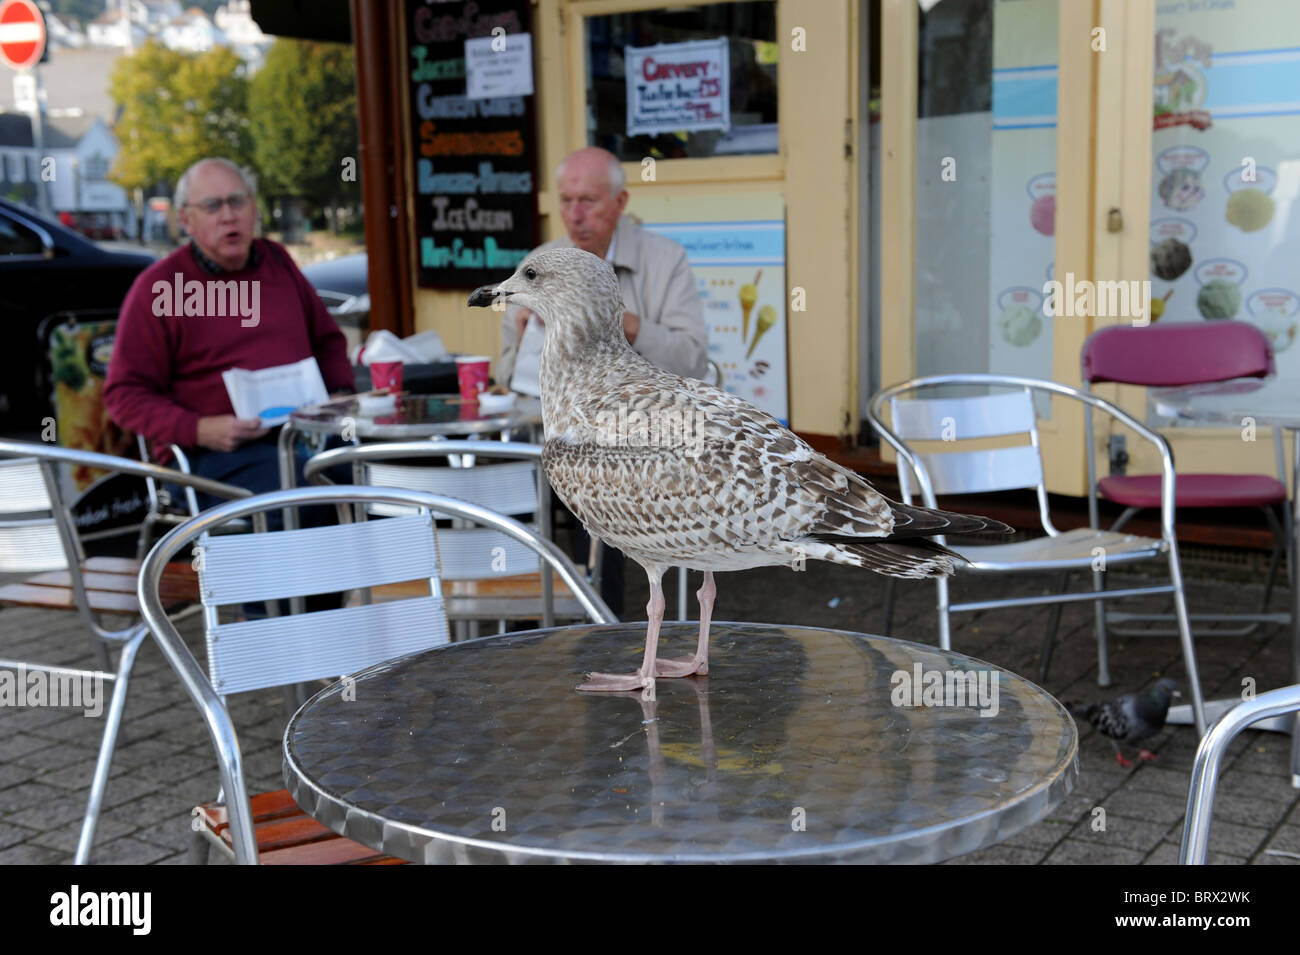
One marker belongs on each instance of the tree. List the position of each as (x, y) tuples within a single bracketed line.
[(303, 116), (177, 109)]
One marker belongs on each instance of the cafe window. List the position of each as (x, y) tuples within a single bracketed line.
[(691, 82)]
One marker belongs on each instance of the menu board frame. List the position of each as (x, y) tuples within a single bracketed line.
[(473, 162)]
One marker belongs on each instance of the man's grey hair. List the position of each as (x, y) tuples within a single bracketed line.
[(617, 179), (183, 185)]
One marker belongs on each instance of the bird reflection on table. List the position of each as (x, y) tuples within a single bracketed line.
[(790, 750)]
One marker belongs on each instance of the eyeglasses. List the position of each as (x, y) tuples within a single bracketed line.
[(212, 207)]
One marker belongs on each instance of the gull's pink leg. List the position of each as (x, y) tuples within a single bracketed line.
[(685, 666), (645, 677)]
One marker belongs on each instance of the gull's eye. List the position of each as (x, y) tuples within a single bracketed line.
[(530, 274)]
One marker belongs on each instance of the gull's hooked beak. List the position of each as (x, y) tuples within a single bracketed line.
[(485, 295)]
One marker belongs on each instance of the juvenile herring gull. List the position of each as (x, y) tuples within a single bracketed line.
[(673, 471)]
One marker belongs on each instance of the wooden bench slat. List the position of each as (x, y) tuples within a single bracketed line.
[(109, 591), (337, 851), (288, 836)]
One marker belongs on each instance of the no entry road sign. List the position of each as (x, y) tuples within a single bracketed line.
[(22, 33)]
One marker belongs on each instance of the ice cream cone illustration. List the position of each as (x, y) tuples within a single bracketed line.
[(748, 296), (1158, 306), (766, 319)]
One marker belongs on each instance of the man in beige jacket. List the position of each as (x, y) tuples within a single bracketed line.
[(664, 321)]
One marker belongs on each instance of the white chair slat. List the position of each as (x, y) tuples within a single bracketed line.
[(477, 553), (957, 419), (31, 547), (508, 488), (22, 487), (975, 472), (254, 567), (273, 651)]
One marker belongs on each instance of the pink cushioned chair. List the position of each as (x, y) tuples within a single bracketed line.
[(1169, 356)]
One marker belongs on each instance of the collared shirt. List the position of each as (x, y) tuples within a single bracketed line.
[(212, 268)]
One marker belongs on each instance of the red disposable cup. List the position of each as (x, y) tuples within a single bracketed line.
[(472, 373), (386, 374)]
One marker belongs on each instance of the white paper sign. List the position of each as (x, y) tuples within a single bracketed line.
[(499, 66), (677, 86), (272, 393), (528, 364)]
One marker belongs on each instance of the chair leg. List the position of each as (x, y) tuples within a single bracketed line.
[(112, 724), (1185, 637), (1279, 545), (1053, 624), (945, 625), (887, 606), (1099, 608)]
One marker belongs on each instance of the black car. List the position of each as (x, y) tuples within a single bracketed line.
[(46, 269)]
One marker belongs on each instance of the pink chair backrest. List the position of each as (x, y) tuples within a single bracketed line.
[(1180, 353)]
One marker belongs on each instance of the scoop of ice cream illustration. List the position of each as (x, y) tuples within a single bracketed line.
[(748, 296), (1278, 327), (1250, 209), (1170, 258), (1219, 298), (766, 319), (1042, 214), (1020, 325), (1181, 188)]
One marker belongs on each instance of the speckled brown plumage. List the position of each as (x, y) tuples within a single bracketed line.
[(671, 470)]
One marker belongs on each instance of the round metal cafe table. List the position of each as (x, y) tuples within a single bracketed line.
[(799, 746)]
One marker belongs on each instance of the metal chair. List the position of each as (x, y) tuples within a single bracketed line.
[(38, 537), (947, 469), (1168, 356), (1276, 705), (493, 577), (283, 650)]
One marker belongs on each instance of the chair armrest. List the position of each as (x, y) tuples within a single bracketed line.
[(109, 462)]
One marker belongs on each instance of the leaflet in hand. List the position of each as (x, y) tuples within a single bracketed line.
[(272, 393)]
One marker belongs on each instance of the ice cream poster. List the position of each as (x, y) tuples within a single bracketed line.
[(1225, 168), (739, 269)]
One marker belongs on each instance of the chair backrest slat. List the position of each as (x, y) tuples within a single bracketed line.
[(31, 546), (1175, 354), (22, 487), (957, 419), (475, 553), (257, 654), (975, 472), (509, 487), (253, 567)]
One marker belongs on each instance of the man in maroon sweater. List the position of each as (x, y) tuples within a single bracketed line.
[(224, 301)]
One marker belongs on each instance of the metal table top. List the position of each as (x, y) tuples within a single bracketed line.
[(415, 416), (791, 750), (1267, 401)]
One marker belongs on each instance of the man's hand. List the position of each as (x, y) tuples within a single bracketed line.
[(631, 326), (226, 432)]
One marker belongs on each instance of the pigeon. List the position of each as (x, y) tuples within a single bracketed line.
[(676, 472), (1130, 719)]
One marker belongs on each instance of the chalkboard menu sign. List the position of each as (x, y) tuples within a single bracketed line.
[(475, 159)]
